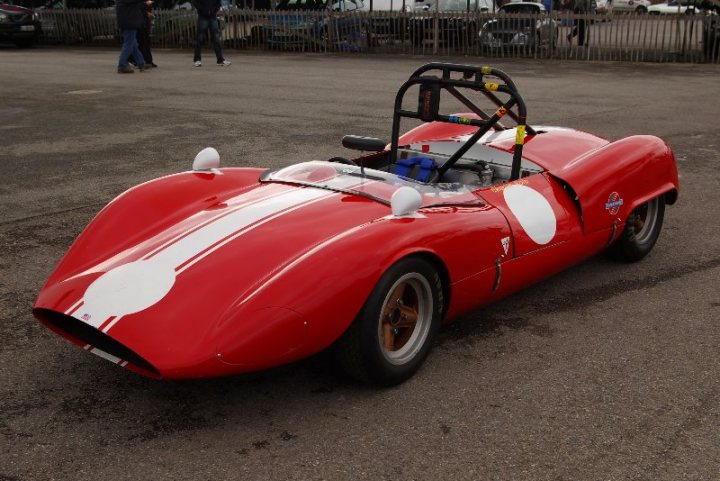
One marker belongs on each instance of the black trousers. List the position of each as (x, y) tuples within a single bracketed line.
[(143, 40)]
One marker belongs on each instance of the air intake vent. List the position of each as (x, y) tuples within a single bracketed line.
[(89, 335)]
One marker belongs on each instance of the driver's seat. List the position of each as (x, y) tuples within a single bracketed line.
[(422, 169)]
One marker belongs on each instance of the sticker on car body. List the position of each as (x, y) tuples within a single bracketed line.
[(614, 203), (533, 212)]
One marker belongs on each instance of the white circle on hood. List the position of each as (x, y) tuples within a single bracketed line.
[(128, 289)]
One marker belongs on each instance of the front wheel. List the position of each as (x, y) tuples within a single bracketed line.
[(393, 334), (641, 231)]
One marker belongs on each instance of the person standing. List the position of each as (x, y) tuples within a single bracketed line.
[(130, 18), (207, 21)]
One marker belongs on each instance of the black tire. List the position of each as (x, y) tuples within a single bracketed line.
[(25, 43), (641, 10), (641, 231), (384, 346)]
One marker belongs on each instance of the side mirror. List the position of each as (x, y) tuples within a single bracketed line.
[(405, 202), (208, 159), (364, 144)]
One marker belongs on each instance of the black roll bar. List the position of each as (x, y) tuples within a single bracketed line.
[(435, 77)]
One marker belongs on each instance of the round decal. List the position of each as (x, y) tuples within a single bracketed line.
[(127, 289), (613, 204), (532, 211)]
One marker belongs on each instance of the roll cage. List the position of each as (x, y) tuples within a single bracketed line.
[(433, 78)]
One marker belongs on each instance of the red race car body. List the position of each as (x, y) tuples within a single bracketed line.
[(220, 271)]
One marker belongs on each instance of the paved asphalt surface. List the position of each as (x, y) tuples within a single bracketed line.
[(605, 372)]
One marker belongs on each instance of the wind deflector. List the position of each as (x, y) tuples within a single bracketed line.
[(434, 78)]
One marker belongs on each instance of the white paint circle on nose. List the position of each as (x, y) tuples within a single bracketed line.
[(533, 212), (129, 288)]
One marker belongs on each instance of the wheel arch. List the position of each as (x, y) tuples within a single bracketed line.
[(627, 172), (671, 196), (442, 270)]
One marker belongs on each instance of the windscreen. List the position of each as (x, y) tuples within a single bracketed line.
[(370, 183)]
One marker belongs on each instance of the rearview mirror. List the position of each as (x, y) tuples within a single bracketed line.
[(405, 202), (206, 160)]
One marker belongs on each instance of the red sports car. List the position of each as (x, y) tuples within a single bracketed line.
[(220, 271)]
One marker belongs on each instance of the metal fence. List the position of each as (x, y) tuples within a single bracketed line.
[(635, 38)]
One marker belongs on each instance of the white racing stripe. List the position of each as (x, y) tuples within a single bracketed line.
[(137, 285), (233, 206)]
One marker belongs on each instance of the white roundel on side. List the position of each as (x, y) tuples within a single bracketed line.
[(533, 211)]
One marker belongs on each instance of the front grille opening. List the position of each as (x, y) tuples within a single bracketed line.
[(87, 334)]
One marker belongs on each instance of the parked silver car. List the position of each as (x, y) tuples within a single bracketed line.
[(524, 25), (637, 6)]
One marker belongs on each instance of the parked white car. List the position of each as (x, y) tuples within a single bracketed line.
[(671, 8), (637, 6), (472, 5), (388, 5)]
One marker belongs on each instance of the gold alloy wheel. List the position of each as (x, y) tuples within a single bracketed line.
[(405, 318), (646, 216)]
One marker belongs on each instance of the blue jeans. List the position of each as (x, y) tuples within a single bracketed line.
[(130, 47), (203, 25)]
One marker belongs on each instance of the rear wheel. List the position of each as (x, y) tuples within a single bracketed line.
[(641, 231), (393, 334)]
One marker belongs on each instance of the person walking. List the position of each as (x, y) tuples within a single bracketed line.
[(207, 11), (130, 18), (582, 8), (143, 35)]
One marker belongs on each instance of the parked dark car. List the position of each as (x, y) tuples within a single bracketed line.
[(18, 25), (461, 28), (525, 25), (301, 22)]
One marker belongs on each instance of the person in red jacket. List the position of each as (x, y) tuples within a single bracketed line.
[(207, 20)]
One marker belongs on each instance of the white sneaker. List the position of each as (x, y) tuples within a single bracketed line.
[(198, 63), (224, 63)]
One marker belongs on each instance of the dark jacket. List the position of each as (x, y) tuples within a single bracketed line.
[(206, 8), (130, 14)]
